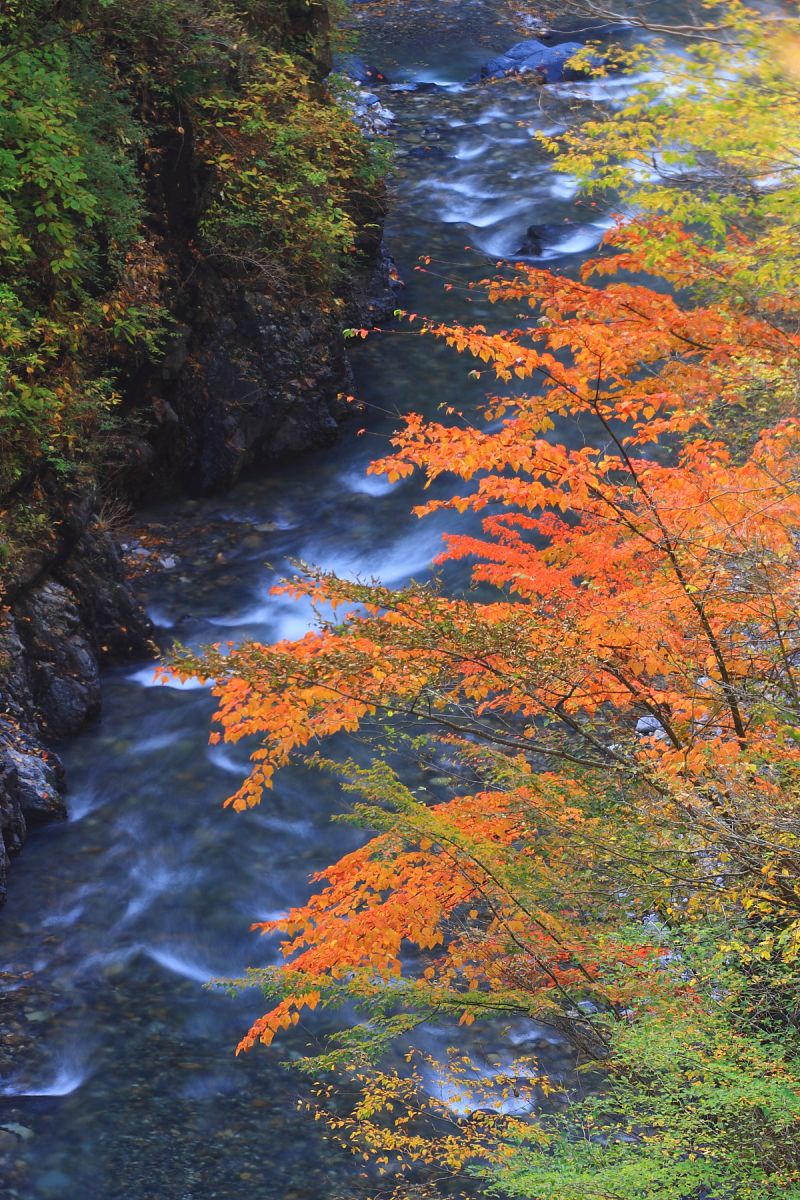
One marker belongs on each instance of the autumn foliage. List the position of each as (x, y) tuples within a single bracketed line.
[(612, 843)]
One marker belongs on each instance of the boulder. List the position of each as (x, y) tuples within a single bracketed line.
[(539, 237), (650, 726), (418, 87), (547, 62), (39, 782), (359, 70), (31, 781), (64, 670)]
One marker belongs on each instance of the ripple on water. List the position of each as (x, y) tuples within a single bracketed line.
[(151, 676), (71, 1072), (224, 760), (83, 802), (362, 484), (182, 964)]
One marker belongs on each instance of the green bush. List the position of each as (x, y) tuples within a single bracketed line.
[(92, 94), (701, 1101), (291, 168)]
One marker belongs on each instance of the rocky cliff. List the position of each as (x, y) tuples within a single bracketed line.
[(253, 369)]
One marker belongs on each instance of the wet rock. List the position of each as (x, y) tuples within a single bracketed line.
[(64, 673), (357, 69), (38, 783), (433, 153), (54, 634), (539, 237), (418, 87), (373, 117), (261, 384), (30, 789), (375, 295), (532, 56), (113, 621)]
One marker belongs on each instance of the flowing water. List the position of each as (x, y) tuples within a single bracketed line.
[(119, 1071)]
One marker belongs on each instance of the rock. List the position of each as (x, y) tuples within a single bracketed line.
[(358, 70), (38, 783), (22, 1132), (419, 87), (649, 726), (537, 238), (548, 62), (373, 118), (374, 300), (260, 384), (64, 673), (54, 634), (434, 153), (116, 627)]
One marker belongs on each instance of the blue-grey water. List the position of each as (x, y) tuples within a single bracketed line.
[(120, 1075)]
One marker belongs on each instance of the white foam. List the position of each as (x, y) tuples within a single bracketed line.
[(297, 828), (563, 187), (68, 1078), (406, 557), (224, 761), (470, 213), (81, 804), (154, 744), (468, 186), (579, 241), (65, 916), (178, 965), (160, 619), (466, 151), (146, 677), (150, 880), (272, 914), (493, 114), (276, 619), (367, 485)]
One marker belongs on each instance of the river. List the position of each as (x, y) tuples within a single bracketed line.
[(119, 1070)]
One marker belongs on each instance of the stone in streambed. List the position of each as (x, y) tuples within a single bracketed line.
[(417, 87), (434, 153), (358, 70), (21, 1132), (538, 237), (548, 62)]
